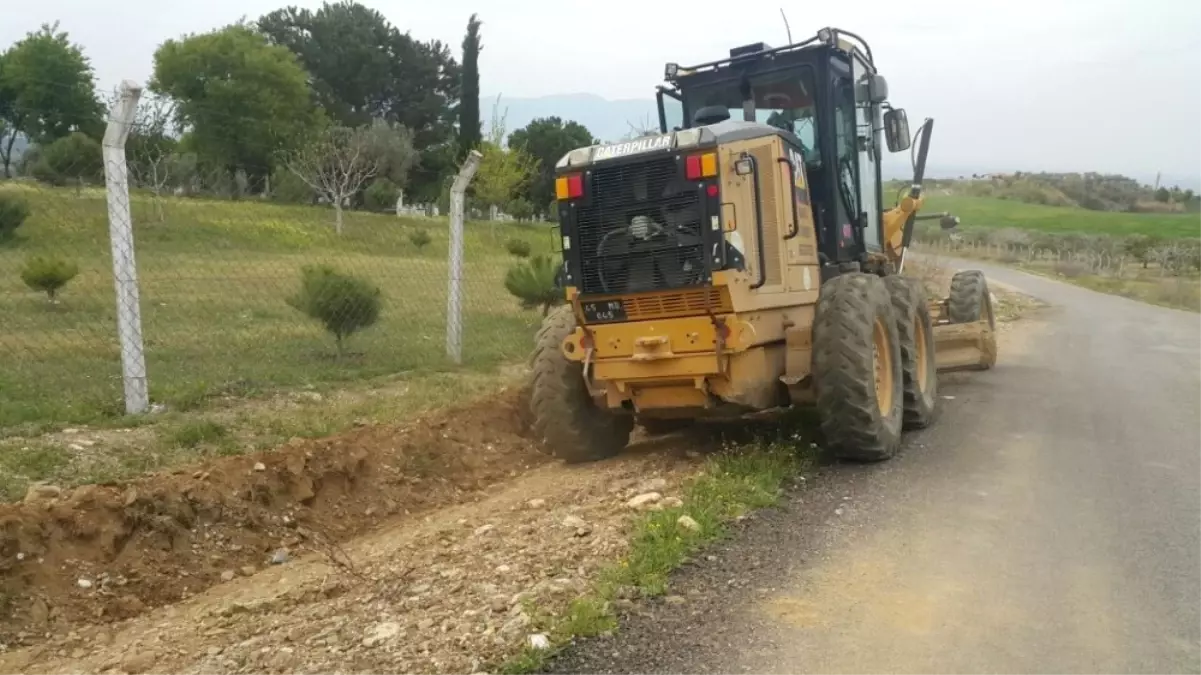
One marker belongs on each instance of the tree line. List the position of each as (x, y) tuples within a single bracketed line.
[(334, 103)]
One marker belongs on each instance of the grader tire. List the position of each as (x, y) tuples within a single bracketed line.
[(919, 365), (857, 368), (565, 418), (970, 301)]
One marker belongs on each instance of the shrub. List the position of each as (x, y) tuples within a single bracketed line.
[(381, 195), (288, 188), (518, 247), (1070, 269), (75, 157), (520, 208), (344, 304), (13, 212), (420, 238), (535, 283), (48, 275)]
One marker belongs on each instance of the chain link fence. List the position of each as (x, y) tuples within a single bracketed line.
[(215, 289)]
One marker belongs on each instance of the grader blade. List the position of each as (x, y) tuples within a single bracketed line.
[(965, 346)]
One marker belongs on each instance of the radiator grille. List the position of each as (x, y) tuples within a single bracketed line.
[(686, 303), (611, 260)]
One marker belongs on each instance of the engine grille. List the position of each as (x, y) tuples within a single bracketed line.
[(614, 261)]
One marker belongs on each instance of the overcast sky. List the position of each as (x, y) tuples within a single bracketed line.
[(1104, 85)]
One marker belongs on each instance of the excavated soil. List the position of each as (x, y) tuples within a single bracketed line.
[(102, 553)]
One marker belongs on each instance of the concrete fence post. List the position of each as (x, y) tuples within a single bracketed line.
[(120, 231), (454, 298)]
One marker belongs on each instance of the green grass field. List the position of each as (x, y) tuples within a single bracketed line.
[(214, 278), (1000, 213)]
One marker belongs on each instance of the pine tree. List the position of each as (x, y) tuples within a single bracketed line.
[(469, 107)]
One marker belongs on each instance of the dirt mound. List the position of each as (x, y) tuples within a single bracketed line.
[(100, 553)]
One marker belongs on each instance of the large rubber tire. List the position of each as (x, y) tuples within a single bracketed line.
[(915, 332), (565, 418), (857, 368), (658, 427), (971, 301)]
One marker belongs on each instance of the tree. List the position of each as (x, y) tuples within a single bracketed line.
[(46, 91), (340, 161), (75, 158), (1139, 247), (363, 68), (243, 100), (151, 146), (503, 172), (520, 208), (1163, 195), (381, 195), (469, 108), (344, 304), (547, 139)]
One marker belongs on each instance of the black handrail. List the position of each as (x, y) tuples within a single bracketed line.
[(758, 221), (796, 223)]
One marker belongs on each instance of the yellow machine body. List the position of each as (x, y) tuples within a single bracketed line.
[(738, 345)]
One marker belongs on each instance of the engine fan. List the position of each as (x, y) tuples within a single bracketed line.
[(653, 253)]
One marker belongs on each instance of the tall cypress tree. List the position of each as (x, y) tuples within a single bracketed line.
[(469, 106)]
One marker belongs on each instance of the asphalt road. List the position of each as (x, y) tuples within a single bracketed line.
[(1049, 522)]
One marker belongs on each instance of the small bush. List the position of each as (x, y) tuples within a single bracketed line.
[(344, 304), (1070, 269), (288, 188), (521, 209), (48, 275), (534, 283), (420, 238), (13, 212), (381, 195), (75, 158), (518, 247)]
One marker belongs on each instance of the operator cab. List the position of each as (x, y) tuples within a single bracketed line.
[(824, 97)]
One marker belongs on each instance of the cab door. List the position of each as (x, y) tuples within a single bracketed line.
[(869, 156)]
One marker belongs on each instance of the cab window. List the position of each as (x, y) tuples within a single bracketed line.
[(783, 99)]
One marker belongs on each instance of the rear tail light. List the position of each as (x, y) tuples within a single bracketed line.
[(570, 186), (700, 166)]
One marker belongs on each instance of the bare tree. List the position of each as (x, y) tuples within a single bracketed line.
[(151, 145), (340, 161)]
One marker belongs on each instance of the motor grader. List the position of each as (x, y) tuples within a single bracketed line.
[(741, 260)]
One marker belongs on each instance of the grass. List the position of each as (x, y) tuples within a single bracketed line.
[(230, 427), (732, 483), (992, 213), (1134, 282), (214, 276)]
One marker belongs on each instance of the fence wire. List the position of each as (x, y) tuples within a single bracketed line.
[(242, 289)]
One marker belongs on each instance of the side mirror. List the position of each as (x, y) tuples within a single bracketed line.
[(949, 222), (896, 129)]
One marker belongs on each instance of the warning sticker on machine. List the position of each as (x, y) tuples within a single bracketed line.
[(632, 147)]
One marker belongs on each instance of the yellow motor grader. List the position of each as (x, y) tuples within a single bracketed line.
[(741, 260)]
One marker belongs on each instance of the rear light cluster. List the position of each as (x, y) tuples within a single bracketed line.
[(701, 166), (696, 167), (570, 186)]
